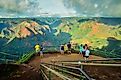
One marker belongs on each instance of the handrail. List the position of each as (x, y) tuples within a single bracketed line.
[(44, 74), (8, 54), (7, 60), (56, 73), (91, 60), (70, 68), (93, 64)]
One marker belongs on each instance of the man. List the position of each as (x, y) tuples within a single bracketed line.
[(37, 48), (41, 51), (69, 47), (62, 49)]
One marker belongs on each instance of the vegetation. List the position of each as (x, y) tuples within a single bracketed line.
[(26, 57)]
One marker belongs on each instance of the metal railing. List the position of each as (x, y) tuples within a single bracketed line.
[(92, 60), (52, 71), (69, 68), (66, 70), (7, 60)]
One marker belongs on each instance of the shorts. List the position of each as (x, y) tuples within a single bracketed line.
[(62, 51), (87, 56), (41, 52)]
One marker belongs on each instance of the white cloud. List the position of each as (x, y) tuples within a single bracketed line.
[(95, 5), (60, 8)]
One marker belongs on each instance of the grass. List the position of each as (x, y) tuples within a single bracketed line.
[(105, 54)]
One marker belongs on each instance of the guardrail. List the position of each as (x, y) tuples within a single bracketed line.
[(7, 60), (82, 63), (92, 60), (64, 69), (5, 55), (68, 67), (8, 54), (54, 72)]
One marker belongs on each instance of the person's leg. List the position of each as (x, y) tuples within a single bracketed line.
[(70, 50), (41, 54), (62, 51), (85, 59)]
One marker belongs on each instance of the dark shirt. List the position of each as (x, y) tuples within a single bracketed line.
[(69, 46), (62, 47), (41, 48)]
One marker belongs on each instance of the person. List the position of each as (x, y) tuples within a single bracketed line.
[(87, 52), (62, 49), (37, 48), (41, 51), (69, 47), (83, 51), (80, 49), (85, 47)]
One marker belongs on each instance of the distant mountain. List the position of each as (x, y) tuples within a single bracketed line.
[(99, 33), (94, 33), (90, 29), (22, 30)]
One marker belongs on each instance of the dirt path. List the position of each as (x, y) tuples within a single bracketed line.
[(35, 62)]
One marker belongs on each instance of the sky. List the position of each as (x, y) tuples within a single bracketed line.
[(60, 8)]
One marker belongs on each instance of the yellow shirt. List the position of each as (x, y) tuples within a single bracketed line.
[(37, 48)]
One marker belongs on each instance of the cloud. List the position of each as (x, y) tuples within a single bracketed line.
[(18, 7), (87, 8), (94, 7), (14, 5)]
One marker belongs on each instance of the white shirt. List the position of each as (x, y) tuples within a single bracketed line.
[(87, 53)]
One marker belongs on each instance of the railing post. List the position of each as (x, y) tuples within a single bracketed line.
[(62, 68), (49, 75), (54, 64), (5, 60), (81, 67)]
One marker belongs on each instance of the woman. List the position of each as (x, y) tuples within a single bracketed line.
[(87, 52), (80, 49)]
